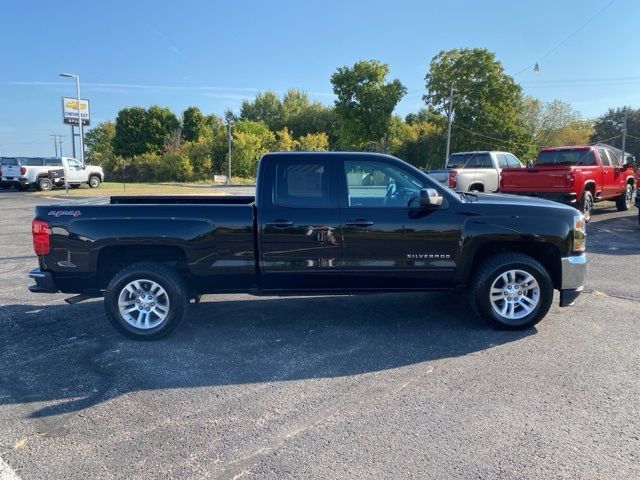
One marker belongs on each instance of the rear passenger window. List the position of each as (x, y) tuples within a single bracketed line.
[(513, 161), (503, 162), (484, 161), (53, 162), (604, 158), (302, 184), (32, 162)]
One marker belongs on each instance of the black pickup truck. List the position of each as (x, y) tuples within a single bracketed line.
[(320, 223)]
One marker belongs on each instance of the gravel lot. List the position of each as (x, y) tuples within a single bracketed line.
[(382, 386)]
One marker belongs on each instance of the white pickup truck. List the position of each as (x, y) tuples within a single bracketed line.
[(475, 171), (44, 173)]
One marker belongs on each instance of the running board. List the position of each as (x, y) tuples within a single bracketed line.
[(79, 298)]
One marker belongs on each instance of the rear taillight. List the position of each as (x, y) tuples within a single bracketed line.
[(40, 231), (453, 179), (23, 170), (570, 179)]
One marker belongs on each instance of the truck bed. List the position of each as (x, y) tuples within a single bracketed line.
[(182, 199), (547, 178)]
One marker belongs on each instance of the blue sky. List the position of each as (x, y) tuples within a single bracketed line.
[(213, 53)]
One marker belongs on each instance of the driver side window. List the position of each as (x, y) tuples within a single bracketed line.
[(377, 184)]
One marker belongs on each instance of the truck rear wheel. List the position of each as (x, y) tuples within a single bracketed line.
[(146, 301), (587, 205), (45, 184), (512, 291), (625, 201)]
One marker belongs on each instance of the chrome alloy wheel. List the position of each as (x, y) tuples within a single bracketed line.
[(514, 294), (143, 304)]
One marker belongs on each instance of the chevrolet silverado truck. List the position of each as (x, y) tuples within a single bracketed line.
[(577, 176), (44, 173), (474, 171), (320, 223)]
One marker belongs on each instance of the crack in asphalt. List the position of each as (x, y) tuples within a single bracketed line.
[(241, 466)]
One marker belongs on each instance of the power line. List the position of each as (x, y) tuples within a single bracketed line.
[(562, 42)]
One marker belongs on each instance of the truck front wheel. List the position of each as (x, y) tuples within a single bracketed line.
[(146, 301), (512, 291), (94, 181), (625, 201)]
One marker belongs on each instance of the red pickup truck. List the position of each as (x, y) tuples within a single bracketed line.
[(577, 176)]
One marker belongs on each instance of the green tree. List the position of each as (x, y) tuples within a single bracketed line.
[(425, 115), (313, 118), (284, 141), (174, 167), (487, 102), (194, 124), (130, 136), (266, 107), (99, 145), (251, 140), (313, 142), (162, 124), (200, 155), (608, 129), (366, 102), (139, 131), (294, 102)]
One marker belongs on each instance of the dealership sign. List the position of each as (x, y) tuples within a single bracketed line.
[(70, 111)]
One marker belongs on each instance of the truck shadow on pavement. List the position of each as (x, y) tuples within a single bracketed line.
[(62, 358), (614, 236)]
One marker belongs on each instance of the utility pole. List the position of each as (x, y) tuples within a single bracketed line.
[(449, 122), (624, 135), (229, 154), (55, 143), (73, 141)]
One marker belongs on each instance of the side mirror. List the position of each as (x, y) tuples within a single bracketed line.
[(84, 167), (529, 163), (429, 197)]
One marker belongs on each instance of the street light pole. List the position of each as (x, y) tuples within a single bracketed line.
[(624, 135), (229, 154), (449, 122)]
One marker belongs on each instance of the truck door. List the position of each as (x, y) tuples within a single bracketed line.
[(610, 174), (299, 223), (74, 171), (389, 241)]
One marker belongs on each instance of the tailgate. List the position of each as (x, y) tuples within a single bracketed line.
[(441, 176), (533, 179)]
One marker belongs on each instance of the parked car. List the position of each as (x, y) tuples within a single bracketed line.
[(320, 223), (578, 176), (9, 171), (43, 173), (475, 171)]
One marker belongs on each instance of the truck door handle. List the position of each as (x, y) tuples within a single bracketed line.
[(359, 223), (280, 223)]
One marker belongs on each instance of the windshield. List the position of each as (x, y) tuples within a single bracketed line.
[(566, 157), (469, 160), (8, 161)]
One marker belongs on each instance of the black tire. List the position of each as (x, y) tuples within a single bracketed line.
[(94, 181), (587, 206), (174, 286), (74, 185), (45, 184), (625, 201), (491, 270), (21, 187), (476, 188)]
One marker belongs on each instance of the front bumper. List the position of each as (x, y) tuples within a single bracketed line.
[(573, 276), (44, 282)]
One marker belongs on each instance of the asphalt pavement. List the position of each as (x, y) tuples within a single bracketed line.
[(379, 386)]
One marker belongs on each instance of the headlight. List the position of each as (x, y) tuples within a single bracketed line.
[(579, 233)]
